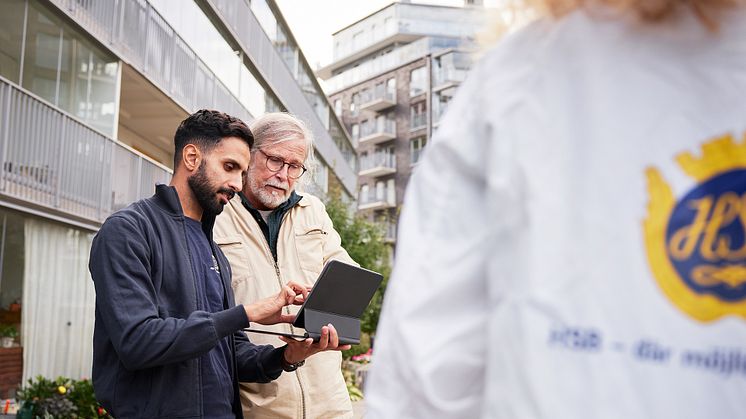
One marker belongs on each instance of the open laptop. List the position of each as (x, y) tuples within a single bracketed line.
[(340, 296)]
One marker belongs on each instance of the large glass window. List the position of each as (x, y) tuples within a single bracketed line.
[(417, 115), (418, 81), (65, 68), (416, 147), (355, 104), (11, 39), (50, 305), (338, 107)]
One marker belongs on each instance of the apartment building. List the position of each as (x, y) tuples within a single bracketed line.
[(392, 77), (91, 92)]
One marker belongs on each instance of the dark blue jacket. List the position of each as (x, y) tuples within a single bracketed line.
[(149, 334)]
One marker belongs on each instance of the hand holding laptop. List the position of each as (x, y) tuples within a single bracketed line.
[(298, 350)]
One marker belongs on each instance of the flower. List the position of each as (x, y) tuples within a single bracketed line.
[(62, 389)]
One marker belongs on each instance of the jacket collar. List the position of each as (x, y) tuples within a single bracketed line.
[(167, 198)]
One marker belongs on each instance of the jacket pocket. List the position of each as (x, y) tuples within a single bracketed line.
[(237, 253), (309, 245)]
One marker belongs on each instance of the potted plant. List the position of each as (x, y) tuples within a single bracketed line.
[(8, 334)]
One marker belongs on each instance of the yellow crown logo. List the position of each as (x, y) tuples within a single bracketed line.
[(719, 155), (698, 264)]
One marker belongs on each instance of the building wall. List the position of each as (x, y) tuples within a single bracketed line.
[(404, 130), (87, 115)]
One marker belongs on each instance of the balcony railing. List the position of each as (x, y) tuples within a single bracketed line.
[(418, 121), (377, 99), (137, 33), (449, 77), (379, 164), (378, 198), (377, 131), (51, 159)]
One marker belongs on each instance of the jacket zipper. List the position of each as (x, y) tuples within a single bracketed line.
[(287, 311)]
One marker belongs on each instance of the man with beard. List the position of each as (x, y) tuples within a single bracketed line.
[(271, 234), (167, 339)]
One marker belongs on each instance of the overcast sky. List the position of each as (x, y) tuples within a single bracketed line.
[(314, 22)]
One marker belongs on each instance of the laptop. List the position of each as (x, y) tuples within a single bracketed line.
[(340, 296)]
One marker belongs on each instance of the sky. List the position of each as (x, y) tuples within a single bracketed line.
[(314, 22)]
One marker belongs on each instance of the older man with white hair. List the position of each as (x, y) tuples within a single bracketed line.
[(271, 234)]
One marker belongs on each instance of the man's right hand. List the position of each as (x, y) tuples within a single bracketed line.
[(269, 310)]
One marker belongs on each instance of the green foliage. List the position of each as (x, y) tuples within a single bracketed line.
[(353, 390), (359, 349), (8, 331), (364, 241), (60, 398)]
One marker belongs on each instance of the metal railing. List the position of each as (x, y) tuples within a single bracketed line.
[(53, 160), (249, 34), (135, 31), (379, 159)]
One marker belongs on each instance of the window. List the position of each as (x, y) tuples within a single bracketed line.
[(338, 107), (355, 104), (417, 115), (65, 68), (416, 147), (38, 299), (391, 87), (418, 81), (364, 194), (355, 132), (10, 39)]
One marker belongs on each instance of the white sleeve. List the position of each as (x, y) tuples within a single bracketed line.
[(431, 344)]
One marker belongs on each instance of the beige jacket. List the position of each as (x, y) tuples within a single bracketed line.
[(306, 242)]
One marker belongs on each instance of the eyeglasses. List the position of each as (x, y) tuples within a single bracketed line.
[(276, 164)]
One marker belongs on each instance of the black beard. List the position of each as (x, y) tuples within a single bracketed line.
[(205, 192)]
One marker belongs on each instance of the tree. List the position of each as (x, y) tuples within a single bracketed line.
[(364, 241)]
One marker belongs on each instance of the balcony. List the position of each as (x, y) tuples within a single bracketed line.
[(417, 121), (378, 199), (53, 161), (378, 131), (379, 164), (378, 100), (448, 77), (136, 32)]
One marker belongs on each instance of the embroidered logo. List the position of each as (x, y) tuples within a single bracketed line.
[(696, 244)]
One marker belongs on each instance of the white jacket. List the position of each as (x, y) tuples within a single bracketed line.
[(572, 245), (307, 240)]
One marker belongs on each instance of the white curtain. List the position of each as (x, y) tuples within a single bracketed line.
[(58, 302)]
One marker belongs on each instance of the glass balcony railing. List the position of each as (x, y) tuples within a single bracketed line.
[(448, 76), (417, 121), (378, 164), (377, 99), (53, 160), (377, 131), (381, 197)]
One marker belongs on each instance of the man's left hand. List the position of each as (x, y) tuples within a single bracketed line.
[(298, 350)]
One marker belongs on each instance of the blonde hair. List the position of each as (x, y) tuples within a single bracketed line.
[(278, 127), (517, 12)]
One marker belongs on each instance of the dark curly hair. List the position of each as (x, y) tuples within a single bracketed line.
[(205, 129)]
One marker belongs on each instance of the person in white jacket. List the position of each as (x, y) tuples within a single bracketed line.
[(573, 244)]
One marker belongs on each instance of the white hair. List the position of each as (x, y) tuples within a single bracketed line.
[(278, 127)]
